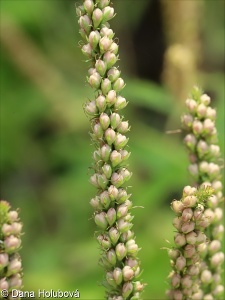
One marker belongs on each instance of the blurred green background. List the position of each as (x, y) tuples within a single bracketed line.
[(46, 151)]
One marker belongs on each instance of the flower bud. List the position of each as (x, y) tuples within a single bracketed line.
[(105, 86), (214, 150), (217, 186), (127, 235), (110, 59), (122, 196), (87, 50), (189, 201), (89, 6), (206, 277), (117, 179), (4, 259), (128, 273), (173, 253), (108, 13), (187, 121), (177, 206), (85, 23), (189, 191), (7, 229), (118, 275), (13, 216), (120, 103), (205, 99), (193, 169), (120, 141), (188, 227), (177, 223), (127, 289), (218, 232), (91, 108), (115, 158), (208, 126), (95, 80), (123, 225), (187, 214), (101, 67), (104, 241), (201, 237), (115, 120), (175, 280), (15, 281), (113, 74), (190, 141), (193, 270), (177, 294), (104, 121), (111, 98), (111, 256), (118, 85), (105, 152), (97, 17), (114, 48), (191, 238), (197, 127), (98, 131), (180, 263), (125, 174), (107, 170), (111, 216), (80, 11), (189, 251), (11, 243), (186, 281), (132, 247), (110, 279), (123, 127), (107, 32), (219, 290), (110, 136), (102, 181), (201, 110), (105, 44), (4, 285), (101, 103), (217, 259), (179, 239), (101, 221), (191, 105), (122, 210), (198, 212), (14, 266), (202, 148), (95, 203), (113, 192), (93, 39), (114, 235), (121, 251), (94, 180)]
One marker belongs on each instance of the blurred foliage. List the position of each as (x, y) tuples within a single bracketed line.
[(46, 151)]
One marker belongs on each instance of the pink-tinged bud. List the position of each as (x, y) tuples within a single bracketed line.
[(114, 235), (4, 259), (132, 262), (118, 275), (123, 127), (127, 235), (219, 290), (204, 167), (85, 23), (217, 186), (214, 246), (121, 251), (110, 279), (122, 210), (16, 228), (110, 136), (4, 285), (111, 216), (124, 154), (187, 121), (123, 225), (113, 74), (128, 273), (80, 11), (191, 105), (97, 157), (213, 201), (193, 169), (173, 253), (118, 85), (105, 44), (177, 295), (89, 6), (122, 196), (177, 222), (102, 181), (105, 152), (197, 127), (193, 270), (188, 227), (111, 256), (187, 214), (206, 277), (110, 59), (113, 192), (180, 239), (205, 99), (101, 221), (126, 174), (93, 39), (105, 86), (98, 131), (211, 113), (191, 238), (138, 286), (189, 191), (189, 201), (117, 179), (7, 229), (120, 103), (104, 121), (91, 71), (97, 17), (190, 141), (13, 216), (95, 203), (175, 280), (91, 108), (217, 259), (94, 180), (95, 80), (201, 238), (189, 251), (203, 222), (115, 120), (87, 50), (177, 206), (214, 170), (14, 267), (107, 170), (198, 212), (104, 241), (108, 13), (209, 214), (180, 263), (132, 247), (127, 289), (214, 150), (208, 126), (105, 31), (114, 48), (15, 282), (11, 243), (101, 103), (101, 67), (218, 232), (115, 158), (201, 110), (218, 214), (202, 148), (111, 98), (186, 281), (120, 141)]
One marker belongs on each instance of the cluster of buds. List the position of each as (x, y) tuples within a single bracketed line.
[(187, 256), (204, 154), (111, 204), (10, 242)]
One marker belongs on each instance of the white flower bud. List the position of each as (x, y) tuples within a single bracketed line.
[(177, 206), (177, 223), (110, 136), (104, 121), (205, 99), (211, 113), (111, 97), (128, 273), (206, 276), (4, 259), (217, 259), (190, 141), (189, 201), (113, 192), (118, 275), (101, 103), (208, 126), (11, 243), (97, 17), (197, 127), (191, 105), (191, 238), (121, 251), (201, 110)]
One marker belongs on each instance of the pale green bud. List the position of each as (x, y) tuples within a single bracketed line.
[(95, 80), (104, 199), (208, 297), (105, 86), (103, 261), (85, 23), (105, 44), (80, 11), (115, 158), (11, 243), (213, 170), (108, 13), (97, 17), (89, 6), (115, 120), (126, 174), (117, 179), (218, 214), (91, 108), (107, 170), (113, 192), (101, 103), (15, 281), (102, 181), (122, 210), (101, 67), (110, 279), (219, 290), (111, 98), (122, 196), (121, 251), (138, 286), (104, 241), (98, 131), (105, 152), (123, 225), (83, 33), (123, 127), (132, 247), (127, 289), (114, 48), (110, 59), (120, 141), (111, 216), (124, 154), (127, 235), (95, 203), (87, 50), (110, 136), (7, 229), (113, 74), (206, 277), (111, 256), (118, 275), (101, 221), (94, 180), (118, 85), (104, 121), (114, 235), (128, 273)]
